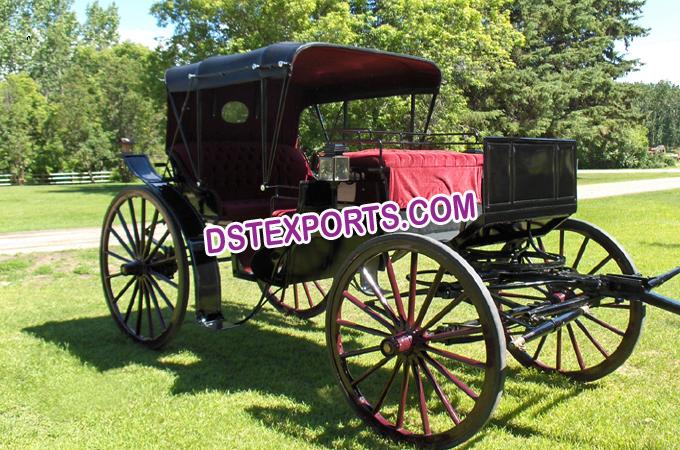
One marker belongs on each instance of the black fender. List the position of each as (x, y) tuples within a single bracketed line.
[(205, 268)]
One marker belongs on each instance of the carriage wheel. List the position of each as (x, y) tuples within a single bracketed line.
[(600, 341), (303, 300), (144, 267), (420, 365)]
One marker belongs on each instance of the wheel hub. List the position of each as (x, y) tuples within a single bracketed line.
[(136, 267), (399, 344)]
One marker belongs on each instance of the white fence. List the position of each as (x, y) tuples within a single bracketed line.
[(103, 176)]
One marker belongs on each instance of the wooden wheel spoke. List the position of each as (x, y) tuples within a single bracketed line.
[(365, 329), (456, 357), (361, 351), (395, 287), (541, 343), (591, 338), (440, 393), (604, 324), (600, 265), (297, 297), (133, 219), (577, 349), (158, 245), (558, 351), (152, 230), (580, 253), (446, 310), (147, 299), (386, 389), (163, 278), (412, 288), (370, 371), (125, 288), (132, 302), (140, 311), (422, 402), (362, 306), (308, 295), (155, 285), (142, 225), (403, 397), (131, 240), (117, 256), (154, 299), (434, 287), (451, 377), (562, 243), (319, 288), (391, 315), (122, 243)]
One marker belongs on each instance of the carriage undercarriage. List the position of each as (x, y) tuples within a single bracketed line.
[(417, 324)]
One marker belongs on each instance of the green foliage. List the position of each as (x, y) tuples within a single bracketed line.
[(660, 104)]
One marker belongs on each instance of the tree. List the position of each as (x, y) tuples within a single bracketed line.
[(101, 27), (21, 124), (660, 104)]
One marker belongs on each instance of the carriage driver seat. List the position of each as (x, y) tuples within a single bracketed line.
[(232, 173)]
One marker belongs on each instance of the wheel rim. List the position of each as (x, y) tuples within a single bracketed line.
[(143, 266), (404, 372), (595, 344), (304, 300)]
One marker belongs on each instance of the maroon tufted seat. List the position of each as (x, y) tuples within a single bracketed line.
[(232, 172)]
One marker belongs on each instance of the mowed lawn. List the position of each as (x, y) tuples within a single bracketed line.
[(595, 178), (71, 380)]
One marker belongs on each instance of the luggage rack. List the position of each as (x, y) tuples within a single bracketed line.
[(357, 138)]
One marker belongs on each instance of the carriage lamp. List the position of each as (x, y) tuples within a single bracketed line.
[(333, 165), (126, 145)]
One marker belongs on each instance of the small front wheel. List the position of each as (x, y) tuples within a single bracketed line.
[(144, 267), (420, 355)]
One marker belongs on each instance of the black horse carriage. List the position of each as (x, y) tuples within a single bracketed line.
[(417, 322)]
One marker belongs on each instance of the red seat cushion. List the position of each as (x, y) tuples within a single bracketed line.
[(232, 171), (424, 173)]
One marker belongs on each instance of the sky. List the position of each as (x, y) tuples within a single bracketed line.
[(659, 51)]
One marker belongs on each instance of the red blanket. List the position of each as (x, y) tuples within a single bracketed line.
[(424, 173)]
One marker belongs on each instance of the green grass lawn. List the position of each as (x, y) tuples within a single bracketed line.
[(70, 379), (25, 208), (594, 178)]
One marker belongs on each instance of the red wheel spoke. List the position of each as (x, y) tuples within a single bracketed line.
[(154, 299), (451, 377), (434, 287), (362, 306), (370, 371), (447, 309), (558, 352), (365, 329), (387, 387), (309, 296), (403, 397), (440, 393), (155, 285), (591, 338), (600, 265), (603, 324), (125, 288), (581, 250), (321, 290), (445, 335), (361, 351), (421, 400), (132, 302), (540, 347), (395, 287), (460, 358), (577, 350), (296, 296), (389, 312), (412, 289)]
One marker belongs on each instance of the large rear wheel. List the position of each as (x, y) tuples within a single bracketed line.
[(420, 356), (144, 267)]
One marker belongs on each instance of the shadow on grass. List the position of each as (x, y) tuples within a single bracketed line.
[(256, 358), (664, 245)]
